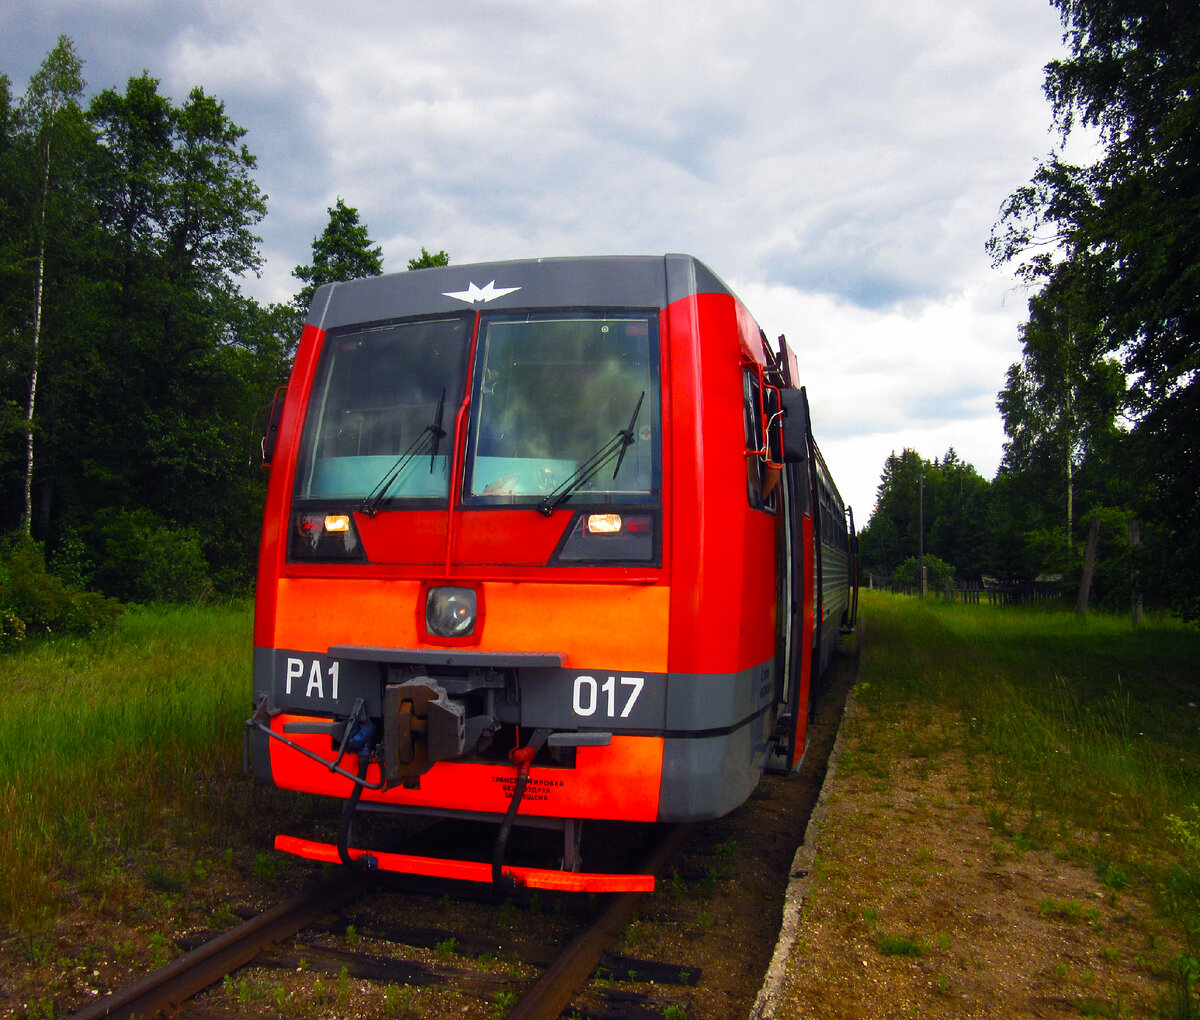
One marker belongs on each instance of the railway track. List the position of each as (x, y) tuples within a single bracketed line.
[(254, 941), (171, 985)]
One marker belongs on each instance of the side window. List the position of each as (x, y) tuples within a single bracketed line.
[(762, 480)]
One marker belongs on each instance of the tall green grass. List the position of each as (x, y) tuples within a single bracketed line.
[(1082, 736), (104, 738)]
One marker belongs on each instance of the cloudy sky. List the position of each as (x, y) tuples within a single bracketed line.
[(839, 164)]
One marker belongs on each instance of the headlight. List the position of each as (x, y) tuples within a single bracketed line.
[(317, 537), (450, 612)]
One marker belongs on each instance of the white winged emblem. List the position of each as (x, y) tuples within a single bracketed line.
[(479, 295)]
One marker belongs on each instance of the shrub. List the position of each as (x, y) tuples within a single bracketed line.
[(939, 574), (140, 558), (34, 601)]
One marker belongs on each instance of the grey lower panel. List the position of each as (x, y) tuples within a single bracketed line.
[(707, 777)]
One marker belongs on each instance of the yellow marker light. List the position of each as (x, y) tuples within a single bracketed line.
[(604, 524), (337, 522)]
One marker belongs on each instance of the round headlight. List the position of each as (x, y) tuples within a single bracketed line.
[(450, 612)]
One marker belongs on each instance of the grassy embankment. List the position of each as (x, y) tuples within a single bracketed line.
[(1082, 736), (115, 745)]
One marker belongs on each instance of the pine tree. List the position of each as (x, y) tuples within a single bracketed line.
[(342, 251)]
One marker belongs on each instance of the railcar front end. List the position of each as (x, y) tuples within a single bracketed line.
[(521, 555)]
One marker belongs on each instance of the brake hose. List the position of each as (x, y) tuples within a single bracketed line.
[(521, 757)]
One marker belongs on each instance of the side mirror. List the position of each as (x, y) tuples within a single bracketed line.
[(271, 427), (795, 426)]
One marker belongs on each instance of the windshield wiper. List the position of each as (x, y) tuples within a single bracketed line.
[(615, 447), (431, 434)]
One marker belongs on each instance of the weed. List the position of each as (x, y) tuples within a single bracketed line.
[(900, 945), (343, 987), (352, 937), (1114, 876), (673, 1012), (158, 945), (634, 932), (678, 887), (161, 879), (266, 867), (36, 945), (727, 854), (446, 946), (1181, 998), (503, 1003), (1072, 909)]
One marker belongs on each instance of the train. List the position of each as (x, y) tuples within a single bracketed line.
[(545, 542)]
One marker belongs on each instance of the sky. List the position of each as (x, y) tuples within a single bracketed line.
[(839, 165)]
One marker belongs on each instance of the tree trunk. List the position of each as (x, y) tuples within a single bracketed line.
[(1135, 575), (1089, 565), (27, 517), (1070, 502)]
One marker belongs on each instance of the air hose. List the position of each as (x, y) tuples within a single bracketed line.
[(521, 757), (365, 861)]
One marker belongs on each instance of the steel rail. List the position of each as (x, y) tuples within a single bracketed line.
[(549, 995), (167, 987)]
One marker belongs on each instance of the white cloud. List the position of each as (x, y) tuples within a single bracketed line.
[(924, 375)]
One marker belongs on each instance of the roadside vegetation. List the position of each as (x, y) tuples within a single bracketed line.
[(113, 744), (1082, 739)]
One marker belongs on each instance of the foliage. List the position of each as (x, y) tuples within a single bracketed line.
[(954, 500), (428, 260), (143, 559), (152, 370), (1113, 248), (939, 575), (33, 601), (343, 251)]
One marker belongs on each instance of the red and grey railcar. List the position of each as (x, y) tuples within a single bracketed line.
[(545, 541)]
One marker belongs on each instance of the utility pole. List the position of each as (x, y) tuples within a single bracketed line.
[(921, 530)]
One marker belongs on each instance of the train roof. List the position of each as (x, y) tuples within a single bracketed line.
[(622, 281)]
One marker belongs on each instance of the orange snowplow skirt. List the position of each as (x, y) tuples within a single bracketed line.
[(473, 871)]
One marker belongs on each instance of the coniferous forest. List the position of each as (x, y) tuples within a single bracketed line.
[(136, 373)]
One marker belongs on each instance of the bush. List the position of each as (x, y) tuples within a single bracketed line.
[(34, 601), (939, 574), (140, 558)]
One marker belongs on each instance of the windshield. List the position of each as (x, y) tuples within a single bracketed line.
[(551, 393), (376, 398)]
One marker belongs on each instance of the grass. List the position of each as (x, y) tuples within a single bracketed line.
[(1083, 736), (103, 741)]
